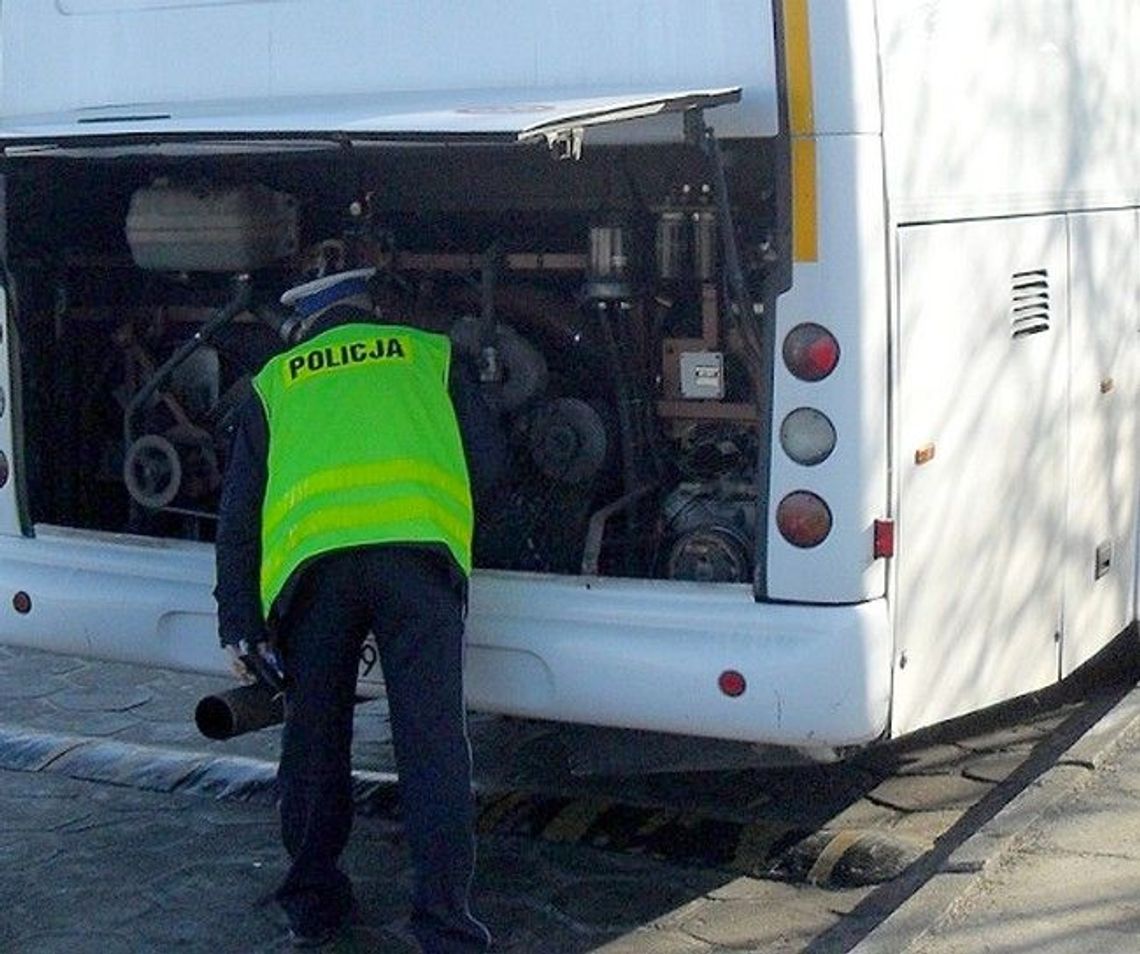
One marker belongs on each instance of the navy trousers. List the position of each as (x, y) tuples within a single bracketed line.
[(408, 597)]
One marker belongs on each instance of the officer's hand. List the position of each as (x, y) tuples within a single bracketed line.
[(238, 666), (250, 661)]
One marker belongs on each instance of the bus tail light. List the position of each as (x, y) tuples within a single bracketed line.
[(807, 436), (804, 519), (811, 351)]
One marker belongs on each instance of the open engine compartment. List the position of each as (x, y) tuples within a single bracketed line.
[(593, 295)]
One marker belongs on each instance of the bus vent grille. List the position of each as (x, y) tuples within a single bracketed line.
[(1029, 306)]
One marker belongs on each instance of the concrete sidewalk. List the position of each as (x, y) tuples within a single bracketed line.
[(1057, 871)]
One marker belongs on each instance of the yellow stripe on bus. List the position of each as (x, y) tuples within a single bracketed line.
[(801, 123), (805, 214)]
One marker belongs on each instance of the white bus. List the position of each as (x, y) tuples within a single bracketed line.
[(813, 324)]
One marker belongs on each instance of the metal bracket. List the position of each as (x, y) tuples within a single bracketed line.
[(566, 143), (701, 135)]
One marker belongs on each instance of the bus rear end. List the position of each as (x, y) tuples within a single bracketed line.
[(657, 238)]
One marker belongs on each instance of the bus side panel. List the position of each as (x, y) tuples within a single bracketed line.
[(1100, 551), (1003, 107), (981, 406)]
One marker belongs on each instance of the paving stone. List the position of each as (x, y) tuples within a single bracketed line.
[(114, 801), (843, 901), (182, 735), (994, 767), (181, 930), (741, 889), (925, 827), (748, 926), (936, 759), (617, 903), (654, 941), (27, 849), (519, 927), (865, 814), (505, 865), (1021, 734), (108, 831), (19, 711), (368, 938), (233, 881), (101, 698), (40, 664), (100, 674), (53, 942), (18, 686), (22, 788), (61, 812), (165, 707), (919, 793), (99, 724), (66, 902)]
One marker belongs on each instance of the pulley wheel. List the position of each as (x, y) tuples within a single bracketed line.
[(568, 440), (710, 555), (152, 471)]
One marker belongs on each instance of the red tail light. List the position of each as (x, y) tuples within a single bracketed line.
[(811, 352), (804, 519)]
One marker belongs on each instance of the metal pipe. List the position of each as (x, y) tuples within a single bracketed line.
[(243, 292), (236, 711), (242, 709)]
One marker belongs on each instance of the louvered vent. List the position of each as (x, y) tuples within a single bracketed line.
[(1029, 305)]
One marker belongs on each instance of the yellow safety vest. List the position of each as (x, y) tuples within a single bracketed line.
[(364, 448)]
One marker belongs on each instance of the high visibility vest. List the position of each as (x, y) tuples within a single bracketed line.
[(364, 448)]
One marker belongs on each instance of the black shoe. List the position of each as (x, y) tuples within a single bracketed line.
[(325, 935)]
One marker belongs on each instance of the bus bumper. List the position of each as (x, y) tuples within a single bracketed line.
[(648, 654), (625, 653)]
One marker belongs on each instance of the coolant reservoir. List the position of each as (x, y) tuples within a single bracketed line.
[(178, 228)]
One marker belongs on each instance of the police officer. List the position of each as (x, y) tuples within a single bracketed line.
[(347, 507)]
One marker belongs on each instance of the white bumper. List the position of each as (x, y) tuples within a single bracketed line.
[(642, 654), (647, 654)]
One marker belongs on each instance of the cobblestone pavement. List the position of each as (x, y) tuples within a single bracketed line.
[(122, 829)]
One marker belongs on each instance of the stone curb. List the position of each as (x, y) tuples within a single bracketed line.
[(910, 923)]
